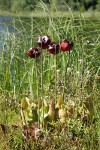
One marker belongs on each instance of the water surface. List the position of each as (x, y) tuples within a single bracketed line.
[(5, 27)]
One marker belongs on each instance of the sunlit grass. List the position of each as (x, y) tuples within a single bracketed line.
[(41, 13)]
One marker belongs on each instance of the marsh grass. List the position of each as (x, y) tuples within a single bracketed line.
[(75, 76)]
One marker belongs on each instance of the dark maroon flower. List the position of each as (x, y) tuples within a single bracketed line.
[(44, 41), (53, 48), (33, 52), (66, 45)]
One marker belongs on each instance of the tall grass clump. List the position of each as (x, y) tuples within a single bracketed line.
[(67, 82)]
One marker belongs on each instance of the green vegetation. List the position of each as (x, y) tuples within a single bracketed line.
[(71, 77)]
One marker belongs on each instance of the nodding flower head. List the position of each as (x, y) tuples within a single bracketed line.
[(33, 52), (53, 48), (66, 45), (44, 41)]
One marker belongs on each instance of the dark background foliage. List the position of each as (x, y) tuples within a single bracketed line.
[(84, 5)]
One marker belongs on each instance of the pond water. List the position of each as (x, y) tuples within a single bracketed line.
[(11, 25), (5, 27)]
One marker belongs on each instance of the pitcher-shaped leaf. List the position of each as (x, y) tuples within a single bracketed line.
[(51, 112), (59, 102), (24, 103), (62, 115)]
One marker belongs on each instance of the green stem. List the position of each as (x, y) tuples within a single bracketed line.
[(42, 88), (37, 92), (66, 66), (31, 81), (55, 64)]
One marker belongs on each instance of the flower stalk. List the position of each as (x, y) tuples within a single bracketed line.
[(55, 64), (66, 66), (42, 87)]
